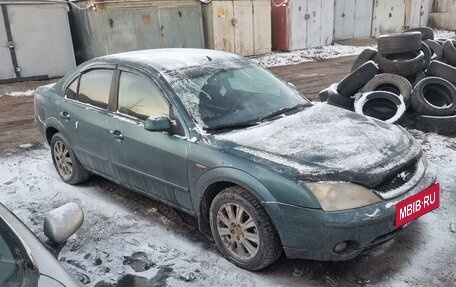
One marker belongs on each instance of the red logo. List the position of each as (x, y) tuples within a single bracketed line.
[(417, 205)]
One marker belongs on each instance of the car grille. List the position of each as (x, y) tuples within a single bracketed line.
[(399, 179)]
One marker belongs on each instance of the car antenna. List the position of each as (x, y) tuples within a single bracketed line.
[(209, 58)]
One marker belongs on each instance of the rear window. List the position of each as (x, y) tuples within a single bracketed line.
[(94, 88)]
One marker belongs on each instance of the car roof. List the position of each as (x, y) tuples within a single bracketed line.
[(164, 60)]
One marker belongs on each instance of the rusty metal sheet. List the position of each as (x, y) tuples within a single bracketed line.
[(280, 23)]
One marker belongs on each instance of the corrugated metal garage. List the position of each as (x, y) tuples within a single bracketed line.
[(300, 24), (238, 26), (35, 40), (112, 26)]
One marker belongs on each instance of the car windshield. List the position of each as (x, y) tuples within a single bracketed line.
[(234, 94)]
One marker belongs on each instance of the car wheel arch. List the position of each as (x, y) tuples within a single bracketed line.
[(215, 181)]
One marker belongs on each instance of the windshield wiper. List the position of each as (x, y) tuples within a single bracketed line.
[(282, 111), (232, 126)]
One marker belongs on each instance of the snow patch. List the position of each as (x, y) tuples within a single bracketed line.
[(307, 55), (27, 93)]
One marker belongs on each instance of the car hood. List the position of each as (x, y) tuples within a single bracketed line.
[(325, 143)]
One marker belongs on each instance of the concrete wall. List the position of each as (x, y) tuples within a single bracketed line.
[(442, 14)]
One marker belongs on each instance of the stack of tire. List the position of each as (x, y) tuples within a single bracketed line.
[(410, 71)]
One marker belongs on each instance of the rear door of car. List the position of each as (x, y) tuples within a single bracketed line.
[(84, 114), (152, 162)]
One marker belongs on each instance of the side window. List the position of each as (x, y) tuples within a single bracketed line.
[(72, 90), (139, 97), (95, 87), (11, 259)]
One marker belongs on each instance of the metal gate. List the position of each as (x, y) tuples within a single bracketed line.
[(352, 18), (35, 41), (418, 13), (388, 17)]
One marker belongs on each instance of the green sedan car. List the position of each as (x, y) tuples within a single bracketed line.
[(214, 135)]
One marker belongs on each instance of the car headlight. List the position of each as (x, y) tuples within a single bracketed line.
[(335, 196)]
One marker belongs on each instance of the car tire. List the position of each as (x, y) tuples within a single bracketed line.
[(434, 96), (426, 32), (65, 162), (402, 64), (324, 94), (337, 100), (436, 49), (357, 79), (442, 125), (399, 43), (365, 56), (427, 55), (229, 231), (442, 70), (449, 51), (391, 83), (416, 78), (383, 105)]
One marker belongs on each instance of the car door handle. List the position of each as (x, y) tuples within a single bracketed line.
[(64, 115), (117, 134)]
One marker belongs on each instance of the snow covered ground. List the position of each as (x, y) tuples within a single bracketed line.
[(275, 59), (128, 240)]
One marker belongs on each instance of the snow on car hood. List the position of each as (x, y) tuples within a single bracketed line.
[(327, 143)]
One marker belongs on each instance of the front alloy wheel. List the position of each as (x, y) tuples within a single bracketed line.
[(238, 231), (242, 230)]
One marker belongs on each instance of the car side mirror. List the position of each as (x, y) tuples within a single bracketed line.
[(157, 124), (62, 222)]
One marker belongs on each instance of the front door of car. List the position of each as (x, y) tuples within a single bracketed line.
[(152, 162), (84, 112)]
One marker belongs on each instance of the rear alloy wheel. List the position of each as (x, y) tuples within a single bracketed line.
[(67, 165), (242, 230)]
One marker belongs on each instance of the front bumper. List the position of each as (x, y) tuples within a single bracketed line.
[(313, 233)]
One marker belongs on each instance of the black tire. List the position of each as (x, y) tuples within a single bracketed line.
[(442, 70), (365, 56), (62, 155), (382, 105), (357, 79), (434, 97), (336, 99), (391, 83), (427, 55), (416, 78), (441, 125), (268, 248), (449, 51), (426, 32), (402, 64), (436, 49), (324, 94), (399, 43), (440, 41)]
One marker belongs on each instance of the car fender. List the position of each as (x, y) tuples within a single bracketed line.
[(226, 174), (52, 122), (233, 175)]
